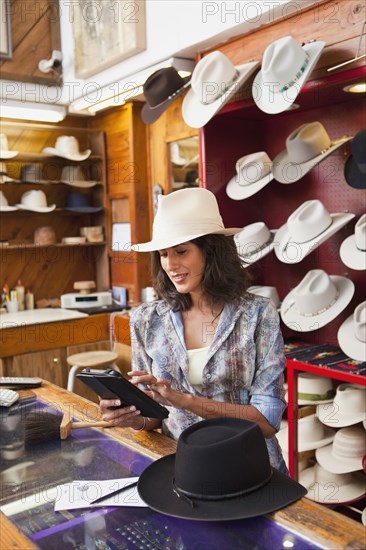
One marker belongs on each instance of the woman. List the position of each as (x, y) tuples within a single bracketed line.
[(207, 348)]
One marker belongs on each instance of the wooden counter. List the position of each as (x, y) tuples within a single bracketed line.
[(320, 525)]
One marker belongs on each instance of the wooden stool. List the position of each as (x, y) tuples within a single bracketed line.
[(92, 359)]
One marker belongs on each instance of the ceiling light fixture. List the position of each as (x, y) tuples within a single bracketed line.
[(27, 110), (359, 88)]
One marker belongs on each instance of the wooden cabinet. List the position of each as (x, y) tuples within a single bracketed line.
[(49, 365)]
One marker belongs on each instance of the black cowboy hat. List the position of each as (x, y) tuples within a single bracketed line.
[(355, 166), (221, 471)]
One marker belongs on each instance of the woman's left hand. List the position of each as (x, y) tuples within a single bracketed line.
[(158, 388)]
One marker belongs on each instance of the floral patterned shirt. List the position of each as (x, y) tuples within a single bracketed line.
[(245, 361)]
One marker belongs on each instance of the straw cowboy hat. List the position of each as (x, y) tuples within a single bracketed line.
[(313, 389), (4, 148), (311, 434), (214, 81), (306, 147), (67, 147), (4, 175), (253, 172), (307, 228), (316, 300), (32, 173), (193, 484), (353, 249), (330, 488), (348, 407), (346, 453), (254, 242), (4, 205), (73, 175), (355, 166), (352, 334), (269, 292), (160, 90), (80, 202), (286, 66), (36, 201), (183, 216)]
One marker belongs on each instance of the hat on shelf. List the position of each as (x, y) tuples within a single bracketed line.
[(32, 173), (160, 90), (269, 292), (67, 147), (36, 201), (80, 202), (348, 407), (182, 216), (4, 205), (4, 174), (306, 147), (316, 300), (74, 176), (307, 228), (313, 389), (355, 166), (214, 81), (352, 334), (286, 66), (330, 488), (4, 148), (311, 434), (193, 484), (346, 453), (253, 172), (254, 242), (353, 249)]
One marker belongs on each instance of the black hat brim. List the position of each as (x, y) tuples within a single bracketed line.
[(353, 175), (151, 114), (155, 487)]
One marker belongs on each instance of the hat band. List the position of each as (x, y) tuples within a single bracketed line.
[(316, 396), (259, 249), (311, 238), (360, 249), (297, 75), (323, 310), (223, 90), (171, 96)]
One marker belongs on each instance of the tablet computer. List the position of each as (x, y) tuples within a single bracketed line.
[(110, 384)]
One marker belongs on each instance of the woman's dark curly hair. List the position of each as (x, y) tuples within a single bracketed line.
[(225, 280)]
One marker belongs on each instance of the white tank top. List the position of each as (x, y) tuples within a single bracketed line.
[(197, 359)]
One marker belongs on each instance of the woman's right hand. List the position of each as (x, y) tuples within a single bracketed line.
[(126, 417)]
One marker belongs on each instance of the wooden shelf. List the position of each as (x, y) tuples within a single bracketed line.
[(55, 245)]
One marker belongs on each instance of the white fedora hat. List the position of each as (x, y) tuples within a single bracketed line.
[(353, 249), (67, 147), (313, 389), (316, 300), (36, 201), (74, 176), (346, 453), (330, 488), (254, 242), (214, 81), (183, 216), (286, 66), (307, 228), (352, 334), (269, 292), (311, 434), (348, 407), (4, 205), (4, 148), (306, 147), (253, 172)]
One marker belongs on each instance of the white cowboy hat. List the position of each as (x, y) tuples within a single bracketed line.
[(307, 228), (330, 488), (352, 334), (313, 389), (253, 172), (73, 175), (346, 453), (306, 147), (286, 66), (36, 201), (254, 242), (182, 216), (316, 300), (353, 249), (214, 81), (348, 407), (4, 205), (4, 176), (269, 292), (4, 148), (67, 147), (311, 434)]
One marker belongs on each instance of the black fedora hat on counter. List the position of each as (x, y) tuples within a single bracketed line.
[(355, 166), (221, 471)]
